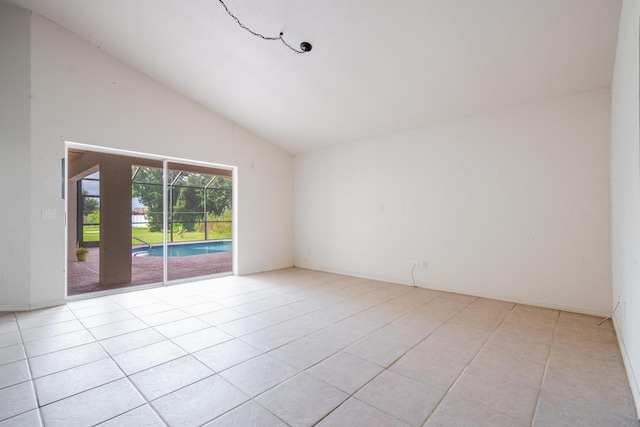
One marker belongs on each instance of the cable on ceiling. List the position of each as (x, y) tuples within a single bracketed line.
[(304, 46)]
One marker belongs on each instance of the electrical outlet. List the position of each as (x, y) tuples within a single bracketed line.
[(425, 264), (48, 213)]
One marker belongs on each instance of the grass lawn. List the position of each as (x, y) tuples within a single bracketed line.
[(92, 234)]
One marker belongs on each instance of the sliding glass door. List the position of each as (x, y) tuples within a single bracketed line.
[(146, 220)]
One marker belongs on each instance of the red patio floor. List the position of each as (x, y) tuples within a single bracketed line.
[(83, 277)]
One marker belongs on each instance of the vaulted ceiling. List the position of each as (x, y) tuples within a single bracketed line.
[(376, 67)]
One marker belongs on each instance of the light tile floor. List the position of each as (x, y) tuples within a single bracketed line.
[(300, 348)]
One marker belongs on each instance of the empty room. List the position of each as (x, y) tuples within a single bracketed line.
[(300, 213)]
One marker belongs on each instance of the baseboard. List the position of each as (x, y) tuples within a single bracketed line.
[(262, 269), (505, 298), (29, 307), (47, 304), (15, 307), (633, 380), (523, 301)]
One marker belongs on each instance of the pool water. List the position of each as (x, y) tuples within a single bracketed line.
[(185, 249)]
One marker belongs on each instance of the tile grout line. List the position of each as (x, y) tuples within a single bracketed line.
[(189, 353), (148, 403), (165, 298), (334, 323), (386, 368), (192, 316), (125, 376), (546, 367), (250, 399), (449, 390), (435, 408), (31, 379), (351, 395)]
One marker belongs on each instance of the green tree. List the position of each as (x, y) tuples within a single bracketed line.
[(188, 206), (219, 196), (147, 187), (90, 204)]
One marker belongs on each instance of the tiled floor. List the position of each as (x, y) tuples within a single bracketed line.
[(300, 348)]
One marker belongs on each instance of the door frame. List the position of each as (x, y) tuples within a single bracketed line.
[(69, 145)]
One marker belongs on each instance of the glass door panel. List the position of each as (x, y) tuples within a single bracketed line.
[(89, 211), (199, 222), (147, 221)]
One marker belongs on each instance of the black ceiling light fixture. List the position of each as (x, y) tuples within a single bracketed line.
[(304, 46)]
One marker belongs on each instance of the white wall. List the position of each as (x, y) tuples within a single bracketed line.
[(80, 94), (512, 205), (625, 192), (14, 150)]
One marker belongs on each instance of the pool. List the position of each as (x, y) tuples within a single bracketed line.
[(185, 249)]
